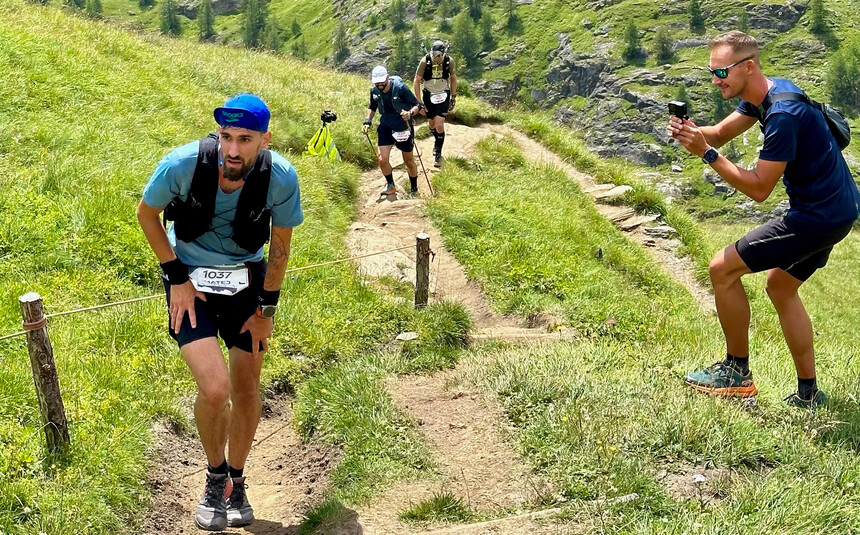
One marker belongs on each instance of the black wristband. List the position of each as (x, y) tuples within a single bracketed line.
[(175, 271), (269, 297), (368, 121)]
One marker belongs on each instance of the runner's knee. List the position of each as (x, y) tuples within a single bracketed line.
[(779, 288), (214, 393)]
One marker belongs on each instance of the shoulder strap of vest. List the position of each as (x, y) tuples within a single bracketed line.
[(204, 183), (251, 225)]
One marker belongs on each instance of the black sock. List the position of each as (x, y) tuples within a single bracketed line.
[(389, 178), (740, 364), (440, 140), (435, 134), (413, 181), (220, 469), (236, 472), (806, 388)]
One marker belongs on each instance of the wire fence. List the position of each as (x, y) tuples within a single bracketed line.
[(28, 327)]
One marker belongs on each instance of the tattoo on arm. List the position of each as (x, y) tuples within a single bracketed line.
[(279, 254)]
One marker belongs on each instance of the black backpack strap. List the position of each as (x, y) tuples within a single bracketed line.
[(251, 226), (194, 215)]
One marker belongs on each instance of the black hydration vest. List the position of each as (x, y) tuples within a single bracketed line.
[(192, 218), (428, 67)]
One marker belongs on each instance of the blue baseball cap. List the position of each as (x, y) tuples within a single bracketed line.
[(244, 111)]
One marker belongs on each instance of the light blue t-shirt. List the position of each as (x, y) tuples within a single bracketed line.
[(172, 178)]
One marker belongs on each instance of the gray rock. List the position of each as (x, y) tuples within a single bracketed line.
[(779, 17), (188, 8), (677, 168), (600, 4), (661, 231), (781, 208), (689, 43), (538, 95), (405, 336), (362, 61), (587, 24), (496, 92), (500, 61)]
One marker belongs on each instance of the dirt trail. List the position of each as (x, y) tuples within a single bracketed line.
[(465, 431), (285, 477)]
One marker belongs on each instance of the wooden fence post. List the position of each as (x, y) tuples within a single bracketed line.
[(422, 269), (45, 373)]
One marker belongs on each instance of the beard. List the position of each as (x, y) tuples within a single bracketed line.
[(236, 174)]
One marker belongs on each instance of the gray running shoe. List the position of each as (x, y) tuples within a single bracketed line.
[(437, 162), (239, 511), (212, 510)]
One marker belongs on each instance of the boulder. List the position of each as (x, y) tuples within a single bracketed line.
[(188, 8), (779, 17), (496, 92), (363, 61), (573, 74)]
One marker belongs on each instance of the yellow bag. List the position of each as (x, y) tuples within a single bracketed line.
[(322, 144)]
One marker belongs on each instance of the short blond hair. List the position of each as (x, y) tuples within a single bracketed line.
[(742, 44)]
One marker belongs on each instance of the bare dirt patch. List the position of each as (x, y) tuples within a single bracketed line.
[(476, 461), (285, 476)]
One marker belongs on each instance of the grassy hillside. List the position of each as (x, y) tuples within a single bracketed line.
[(87, 111)]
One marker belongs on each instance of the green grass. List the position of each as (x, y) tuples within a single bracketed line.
[(88, 111), (604, 415), (441, 507)]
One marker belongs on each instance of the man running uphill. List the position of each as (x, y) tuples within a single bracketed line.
[(438, 95), (397, 105), (799, 147), (226, 195)]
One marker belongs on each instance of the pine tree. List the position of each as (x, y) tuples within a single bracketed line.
[(94, 8), (300, 49), (744, 21), (205, 20), (273, 36), (488, 41), (169, 16), (663, 45), (817, 21), (295, 28), (697, 21), (416, 45), (144, 4), (474, 9), (631, 38), (464, 40), (732, 152), (340, 51), (398, 15), (400, 60), (445, 13), (77, 4), (720, 106), (511, 13), (254, 22), (682, 95), (843, 78)]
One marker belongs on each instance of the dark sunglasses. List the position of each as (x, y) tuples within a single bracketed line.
[(723, 72), (380, 85)]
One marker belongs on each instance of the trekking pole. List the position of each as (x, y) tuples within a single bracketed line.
[(372, 148), (418, 153)]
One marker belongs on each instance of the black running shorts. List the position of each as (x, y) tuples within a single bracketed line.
[(385, 138), (433, 110), (223, 315), (798, 249)]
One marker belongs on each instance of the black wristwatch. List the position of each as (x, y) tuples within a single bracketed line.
[(266, 311), (710, 156)]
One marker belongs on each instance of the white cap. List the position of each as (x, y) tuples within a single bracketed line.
[(379, 74)]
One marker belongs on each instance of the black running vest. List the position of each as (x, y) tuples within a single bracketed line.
[(193, 217), (428, 67)]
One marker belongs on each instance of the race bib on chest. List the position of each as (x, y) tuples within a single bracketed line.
[(401, 136), (222, 280), (438, 98)]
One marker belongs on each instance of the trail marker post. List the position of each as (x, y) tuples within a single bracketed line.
[(45, 373), (422, 269)]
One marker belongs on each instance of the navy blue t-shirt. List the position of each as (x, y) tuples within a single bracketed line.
[(817, 180), (390, 104)]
